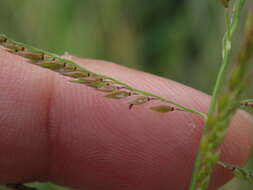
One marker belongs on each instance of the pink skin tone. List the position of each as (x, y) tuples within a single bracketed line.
[(54, 130)]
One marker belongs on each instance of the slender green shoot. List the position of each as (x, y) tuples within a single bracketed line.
[(222, 107), (231, 23)]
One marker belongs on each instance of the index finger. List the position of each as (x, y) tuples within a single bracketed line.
[(72, 135)]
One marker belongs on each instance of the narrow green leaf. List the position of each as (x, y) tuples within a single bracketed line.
[(162, 108), (118, 95)]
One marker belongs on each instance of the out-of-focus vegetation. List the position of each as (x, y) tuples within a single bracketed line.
[(175, 39), (180, 40)]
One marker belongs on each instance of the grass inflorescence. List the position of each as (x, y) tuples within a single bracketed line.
[(224, 103), (113, 88)]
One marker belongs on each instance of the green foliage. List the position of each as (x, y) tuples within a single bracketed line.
[(160, 37)]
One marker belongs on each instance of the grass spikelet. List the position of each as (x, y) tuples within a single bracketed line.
[(118, 95), (90, 80), (97, 84), (107, 88), (30, 55), (163, 108), (53, 65), (139, 101), (69, 68), (77, 74)]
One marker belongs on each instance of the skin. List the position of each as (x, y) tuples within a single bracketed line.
[(54, 130)]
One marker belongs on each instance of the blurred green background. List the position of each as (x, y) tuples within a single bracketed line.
[(177, 39)]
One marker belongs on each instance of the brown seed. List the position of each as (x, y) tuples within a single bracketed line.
[(139, 100), (163, 108)]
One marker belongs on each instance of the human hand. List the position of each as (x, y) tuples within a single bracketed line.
[(53, 130)]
